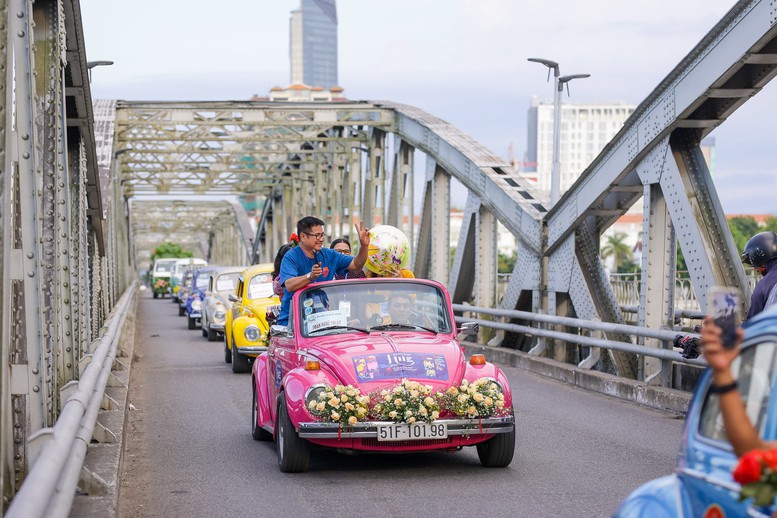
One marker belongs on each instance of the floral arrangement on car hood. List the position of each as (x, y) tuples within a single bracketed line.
[(342, 404), (757, 474), (481, 398), (408, 402), (160, 283)]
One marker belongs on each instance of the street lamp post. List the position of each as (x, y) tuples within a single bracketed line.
[(558, 86)]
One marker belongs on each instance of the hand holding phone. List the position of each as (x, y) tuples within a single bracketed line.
[(724, 304)]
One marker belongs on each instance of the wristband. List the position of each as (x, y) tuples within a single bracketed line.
[(722, 389)]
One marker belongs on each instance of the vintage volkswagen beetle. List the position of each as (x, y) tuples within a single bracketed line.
[(221, 284), (195, 297), (177, 276), (160, 276), (344, 333), (246, 327), (702, 483)]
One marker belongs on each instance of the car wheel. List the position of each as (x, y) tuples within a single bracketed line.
[(293, 451), (227, 352), (497, 452), (192, 323), (258, 433), (213, 335), (204, 331), (240, 362), (181, 311)]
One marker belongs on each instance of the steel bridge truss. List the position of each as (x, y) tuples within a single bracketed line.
[(54, 271)]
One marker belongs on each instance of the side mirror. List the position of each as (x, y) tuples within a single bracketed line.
[(232, 297), (277, 330), (469, 328)]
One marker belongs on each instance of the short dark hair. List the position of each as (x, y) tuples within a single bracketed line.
[(308, 222), (340, 240), (399, 295), (279, 258)]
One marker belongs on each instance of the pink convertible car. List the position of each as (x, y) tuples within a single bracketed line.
[(375, 365)]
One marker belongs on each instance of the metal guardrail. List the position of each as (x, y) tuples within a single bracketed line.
[(644, 332), (49, 488)]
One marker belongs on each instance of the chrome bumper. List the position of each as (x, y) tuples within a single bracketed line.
[(251, 350), (369, 429), (215, 327)]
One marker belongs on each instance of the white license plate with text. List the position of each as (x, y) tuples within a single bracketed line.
[(412, 432)]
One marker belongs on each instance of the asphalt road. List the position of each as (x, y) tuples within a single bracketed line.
[(189, 451)]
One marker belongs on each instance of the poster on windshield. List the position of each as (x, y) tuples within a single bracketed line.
[(373, 367), (319, 321)]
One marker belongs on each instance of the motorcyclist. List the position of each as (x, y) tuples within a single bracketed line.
[(761, 253)]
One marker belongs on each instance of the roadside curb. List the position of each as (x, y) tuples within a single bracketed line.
[(660, 398)]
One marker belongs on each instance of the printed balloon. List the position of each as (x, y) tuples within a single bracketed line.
[(388, 247)]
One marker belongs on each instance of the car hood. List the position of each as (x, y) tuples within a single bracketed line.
[(223, 299), (381, 360)]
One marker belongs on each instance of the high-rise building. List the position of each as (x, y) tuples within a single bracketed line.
[(585, 130), (313, 46)]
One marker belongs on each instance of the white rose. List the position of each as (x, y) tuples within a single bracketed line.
[(335, 416), (478, 397), (435, 414), (429, 401), (352, 420), (411, 420)]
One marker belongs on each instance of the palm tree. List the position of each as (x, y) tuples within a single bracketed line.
[(617, 248)]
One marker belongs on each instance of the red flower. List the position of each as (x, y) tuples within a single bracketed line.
[(749, 468), (770, 459), (294, 238)]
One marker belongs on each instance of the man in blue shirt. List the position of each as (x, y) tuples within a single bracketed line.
[(310, 262)]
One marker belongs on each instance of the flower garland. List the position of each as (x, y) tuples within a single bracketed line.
[(294, 239), (481, 398), (342, 404), (757, 473), (408, 402)]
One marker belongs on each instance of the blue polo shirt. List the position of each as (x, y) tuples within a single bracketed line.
[(296, 263)]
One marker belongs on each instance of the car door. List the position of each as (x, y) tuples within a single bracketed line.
[(233, 313), (710, 459), (281, 356)]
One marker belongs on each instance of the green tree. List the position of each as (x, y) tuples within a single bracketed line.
[(171, 250), (742, 229), (506, 263), (770, 224), (617, 248)]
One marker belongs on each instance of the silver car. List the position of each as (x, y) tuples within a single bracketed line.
[(216, 304)]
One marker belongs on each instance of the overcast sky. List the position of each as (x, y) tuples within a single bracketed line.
[(461, 60)]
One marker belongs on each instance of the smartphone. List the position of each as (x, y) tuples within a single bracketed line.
[(724, 304)]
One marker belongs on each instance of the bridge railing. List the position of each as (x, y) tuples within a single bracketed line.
[(50, 485), (550, 321)]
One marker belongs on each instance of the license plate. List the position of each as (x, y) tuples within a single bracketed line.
[(412, 432)]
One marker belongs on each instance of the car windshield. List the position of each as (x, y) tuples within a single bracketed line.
[(226, 283), (260, 286), (754, 369), (165, 267), (359, 306), (202, 281)]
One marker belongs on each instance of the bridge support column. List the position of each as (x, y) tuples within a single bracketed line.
[(400, 207), (657, 283), (372, 200)]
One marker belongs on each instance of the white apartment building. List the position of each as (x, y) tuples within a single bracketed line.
[(585, 130)]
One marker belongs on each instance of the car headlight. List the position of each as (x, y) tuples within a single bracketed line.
[(313, 393), (252, 333), (219, 316), (196, 304)]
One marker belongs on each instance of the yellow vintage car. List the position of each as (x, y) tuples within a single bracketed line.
[(246, 330)]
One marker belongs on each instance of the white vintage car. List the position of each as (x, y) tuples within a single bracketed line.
[(216, 303)]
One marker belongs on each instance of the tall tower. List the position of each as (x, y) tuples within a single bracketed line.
[(313, 45)]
